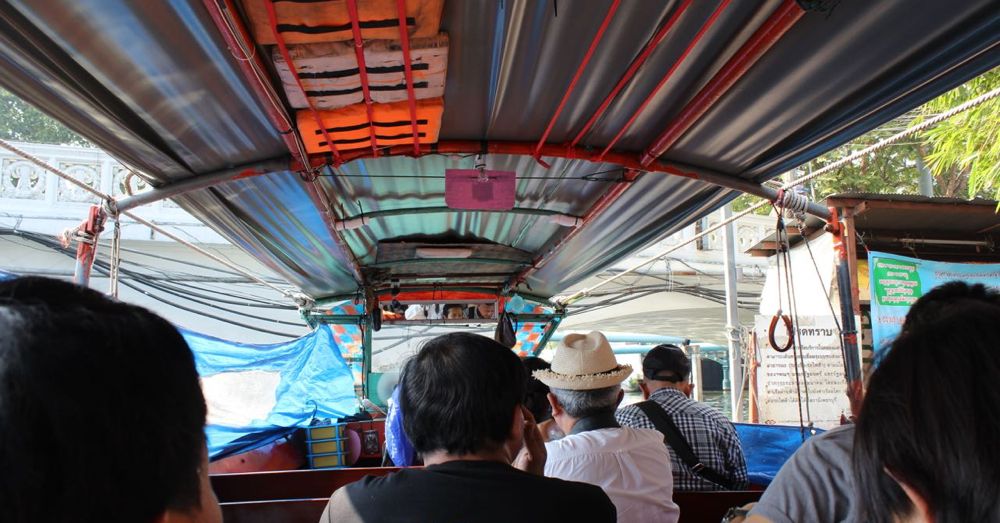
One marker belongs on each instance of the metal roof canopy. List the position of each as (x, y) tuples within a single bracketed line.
[(749, 89), (946, 229)]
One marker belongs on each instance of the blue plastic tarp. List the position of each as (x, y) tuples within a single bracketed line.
[(768, 447), (309, 379)]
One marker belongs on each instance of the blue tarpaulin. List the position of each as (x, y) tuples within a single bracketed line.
[(767, 447), (268, 389)]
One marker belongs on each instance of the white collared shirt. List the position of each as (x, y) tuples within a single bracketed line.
[(631, 465)]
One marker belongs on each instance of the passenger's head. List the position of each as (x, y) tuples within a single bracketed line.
[(454, 311), (926, 442), (666, 366), (462, 394), (585, 379), (486, 310), (536, 400), (101, 414)]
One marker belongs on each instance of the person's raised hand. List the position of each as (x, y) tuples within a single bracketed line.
[(531, 457)]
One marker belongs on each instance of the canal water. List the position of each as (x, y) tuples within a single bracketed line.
[(717, 399)]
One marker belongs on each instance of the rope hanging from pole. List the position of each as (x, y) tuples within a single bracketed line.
[(794, 343), (116, 257)]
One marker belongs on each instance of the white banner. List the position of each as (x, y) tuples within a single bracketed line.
[(820, 385)]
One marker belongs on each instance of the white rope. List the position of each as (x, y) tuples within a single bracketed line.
[(930, 122), (112, 211), (116, 257)]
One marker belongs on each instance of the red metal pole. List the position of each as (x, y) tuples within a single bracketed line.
[(670, 72), (275, 112), (627, 160), (576, 77), (849, 334), (630, 72), (359, 52), (783, 18), (404, 38), (86, 249), (252, 68), (283, 49)]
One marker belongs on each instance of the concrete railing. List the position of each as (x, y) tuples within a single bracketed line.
[(38, 200)]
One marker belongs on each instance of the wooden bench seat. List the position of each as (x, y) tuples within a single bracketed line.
[(298, 496)]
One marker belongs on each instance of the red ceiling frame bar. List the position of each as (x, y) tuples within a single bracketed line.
[(272, 18), (630, 72), (359, 53), (576, 77), (780, 21), (404, 38), (601, 205), (666, 77), (628, 160), (231, 28), (253, 70)]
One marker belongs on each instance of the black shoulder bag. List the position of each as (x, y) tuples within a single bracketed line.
[(672, 437)]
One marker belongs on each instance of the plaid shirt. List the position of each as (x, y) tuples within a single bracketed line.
[(711, 436)]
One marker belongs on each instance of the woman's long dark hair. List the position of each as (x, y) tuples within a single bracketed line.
[(931, 417)]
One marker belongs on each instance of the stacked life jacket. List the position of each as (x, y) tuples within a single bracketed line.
[(320, 43)]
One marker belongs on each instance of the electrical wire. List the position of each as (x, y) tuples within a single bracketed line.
[(103, 267)]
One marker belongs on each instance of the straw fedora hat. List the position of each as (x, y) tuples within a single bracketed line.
[(584, 362)]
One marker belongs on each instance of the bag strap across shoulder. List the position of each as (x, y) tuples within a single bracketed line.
[(673, 437)]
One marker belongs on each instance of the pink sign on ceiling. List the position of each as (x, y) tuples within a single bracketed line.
[(486, 190)]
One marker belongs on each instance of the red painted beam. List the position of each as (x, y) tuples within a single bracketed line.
[(231, 28), (404, 38), (86, 249), (670, 72), (780, 21), (237, 37), (630, 72), (625, 159), (359, 53), (577, 75), (283, 49)]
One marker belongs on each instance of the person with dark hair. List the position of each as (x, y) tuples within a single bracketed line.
[(537, 400), (631, 465), (705, 451), (817, 482), (101, 414), (454, 311), (463, 395), (926, 443)]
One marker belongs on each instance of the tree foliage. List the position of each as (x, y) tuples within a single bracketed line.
[(968, 143), (961, 154), (22, 122)]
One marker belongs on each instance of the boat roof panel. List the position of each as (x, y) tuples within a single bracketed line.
[(155, 84)]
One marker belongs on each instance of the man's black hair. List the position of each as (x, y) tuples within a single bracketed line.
[(931, 416), (459, 392), (101, 414), (536, 399), (666, 362)]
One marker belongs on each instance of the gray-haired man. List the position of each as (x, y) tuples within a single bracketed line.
[(629, 464)]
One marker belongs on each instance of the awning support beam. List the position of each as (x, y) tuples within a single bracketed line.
[(576, 77), (780, 21)]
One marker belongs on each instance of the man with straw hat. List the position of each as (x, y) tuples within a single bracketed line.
[(629, 464)]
